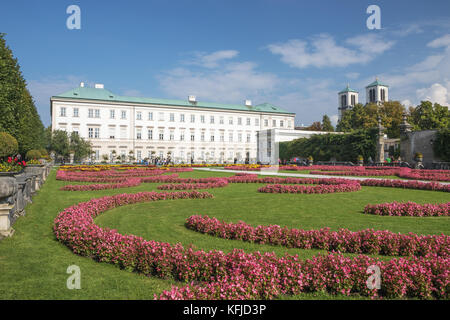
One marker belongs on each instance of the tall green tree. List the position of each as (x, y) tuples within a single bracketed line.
[(60, 143), (81, 148), (326, 124), (18, 114)]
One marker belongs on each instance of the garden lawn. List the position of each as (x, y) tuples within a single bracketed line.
[(33, 264)]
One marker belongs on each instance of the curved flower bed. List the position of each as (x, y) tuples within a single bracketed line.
[(366, 241), (321, 188), (410, 209), (220, 183), (239, 275), (405, 184), (130, 182)]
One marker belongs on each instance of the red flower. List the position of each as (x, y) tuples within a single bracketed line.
[(9, 159), (24, 163), (15, 159)]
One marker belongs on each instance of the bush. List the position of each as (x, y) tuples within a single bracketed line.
[(44, 153), (33, 154), (8, 145)]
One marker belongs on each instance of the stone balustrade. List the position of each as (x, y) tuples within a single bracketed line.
[(16, 192)]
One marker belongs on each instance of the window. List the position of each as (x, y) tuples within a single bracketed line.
[(112, 114), (171, 135), (383, 94), (182, 117), (123, 132), (230, 120), (150, 116), (62, 112), (97, 154), (112, 133), (239, 137), (138, 134), (343, 101), (353, 99), (182, 136), (97, 113), (123, 114), (248, 137), (202, 119), (239, 121), (281, 123), (97, 133), (150, 134), (256, 122), (161, 136), (372, 95), (221, 120), (75, 131), (266, 123), (138, 115), (90, 113), (222, 138), (211, 119), (90, 132), (192, 117), (192, 138), (212, 138), (274, 123), (248, 121), (202, 137), (161, 116), (172, 117), (75, 112), (139, 154)]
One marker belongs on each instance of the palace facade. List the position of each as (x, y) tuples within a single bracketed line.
[(184, 130)]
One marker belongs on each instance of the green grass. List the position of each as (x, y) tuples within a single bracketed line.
[(33, 264)]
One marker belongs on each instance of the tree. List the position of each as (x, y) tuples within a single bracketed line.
[(60, 143), (18, 114), (365, 117), (441, 145), (81, 147), (326, 124), (316, 126), (427, 116)]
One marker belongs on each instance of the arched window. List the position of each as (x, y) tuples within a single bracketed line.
[(372, 95), (353, 100), (343, 100), (382, 95)]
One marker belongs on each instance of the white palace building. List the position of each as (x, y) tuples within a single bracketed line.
[(182, 129)]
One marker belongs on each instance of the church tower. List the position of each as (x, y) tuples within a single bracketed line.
[(347, 99), (377, 92)]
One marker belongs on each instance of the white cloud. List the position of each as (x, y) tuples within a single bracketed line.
[(352, 75), (334, 119), (443, 41), (435, 93), (323, 51), (212, 60), (407, 103), (233, 82)]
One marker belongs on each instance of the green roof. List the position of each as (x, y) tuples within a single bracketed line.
[(348, 89), (377, 83), (86, 93)]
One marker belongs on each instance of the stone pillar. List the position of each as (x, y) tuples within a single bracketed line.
[(72, 155), (380, 143)]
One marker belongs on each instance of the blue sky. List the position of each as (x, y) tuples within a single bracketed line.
[(294, 54)]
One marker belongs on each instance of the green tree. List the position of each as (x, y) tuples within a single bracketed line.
[(82, 148), (441, 145), (60, 143), (427, 116), (326, 124), (18, 114)]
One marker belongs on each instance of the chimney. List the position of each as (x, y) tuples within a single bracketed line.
[(81, 84), (192, 99), (248, 103), (99, 86)]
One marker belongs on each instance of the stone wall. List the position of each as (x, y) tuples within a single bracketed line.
[(16, 192), (418, 141)]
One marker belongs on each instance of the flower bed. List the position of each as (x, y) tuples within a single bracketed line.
[(405, 184), (321, 188), (189, 186), (239, 275), (411, 209), (365, 241)]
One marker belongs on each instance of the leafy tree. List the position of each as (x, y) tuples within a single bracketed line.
[(8, 145), (316, 126), (82, 148), (326, 124), (427, 116), (18, 114), (60, 143)]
